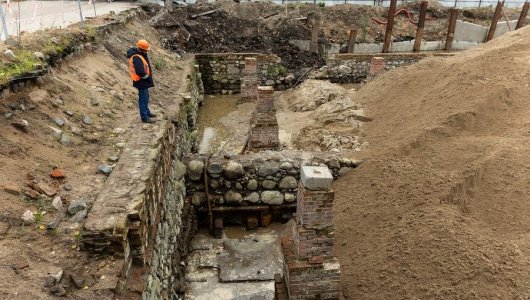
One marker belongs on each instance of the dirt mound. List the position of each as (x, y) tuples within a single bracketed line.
[(329, 119), (439, 209), (267, 28)]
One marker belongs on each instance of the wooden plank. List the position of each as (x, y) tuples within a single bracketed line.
[(314, 37), (209, 12)]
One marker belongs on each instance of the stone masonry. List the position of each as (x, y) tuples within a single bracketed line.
[(263, 178), (249, 81), (352, 67), (222, 72), (141, 215), (311, 270), (263, 124)]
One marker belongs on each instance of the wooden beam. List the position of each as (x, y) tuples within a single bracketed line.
[(209, 12), (522, 17), (494, 20), (421, 25), (389, 26), (351, 40), (313, 48), (451, 29)]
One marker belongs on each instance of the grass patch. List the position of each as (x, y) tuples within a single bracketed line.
[(23, 63)]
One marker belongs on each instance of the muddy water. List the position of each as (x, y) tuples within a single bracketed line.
[(213, 133)]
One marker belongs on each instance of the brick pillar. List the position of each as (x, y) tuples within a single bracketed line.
[(263, 124), (249, 81), (310, 267), (377, 66)]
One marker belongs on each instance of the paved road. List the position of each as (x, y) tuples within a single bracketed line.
[(35, 15)]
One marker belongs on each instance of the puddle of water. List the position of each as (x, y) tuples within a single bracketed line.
[(212, 132)]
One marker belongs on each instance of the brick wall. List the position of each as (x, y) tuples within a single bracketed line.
[(249, 81), (263, 124), (377, 66)]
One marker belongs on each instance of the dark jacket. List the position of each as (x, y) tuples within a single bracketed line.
[(139, 69)]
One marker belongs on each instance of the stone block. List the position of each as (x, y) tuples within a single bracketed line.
[(316, 178)]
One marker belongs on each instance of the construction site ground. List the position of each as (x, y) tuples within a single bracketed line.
[(438, 209)]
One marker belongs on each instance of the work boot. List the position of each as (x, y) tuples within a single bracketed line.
[(149, 121), (151, 115)]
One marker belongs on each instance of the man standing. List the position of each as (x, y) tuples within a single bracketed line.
[(140, 71)]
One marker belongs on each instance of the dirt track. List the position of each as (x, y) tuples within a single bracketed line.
[(440, 208)]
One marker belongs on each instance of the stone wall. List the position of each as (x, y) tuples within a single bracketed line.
[(265, 178), (347, 68), (141, 216), (222, 72)]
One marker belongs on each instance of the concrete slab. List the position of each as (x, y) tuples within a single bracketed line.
[(405, 46), (203, 272), (465, 31), (230, 291), (316, 178), (252, 258)]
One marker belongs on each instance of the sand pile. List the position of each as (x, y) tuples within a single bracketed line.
[(440, 208)]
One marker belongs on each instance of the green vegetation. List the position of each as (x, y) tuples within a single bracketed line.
[(22, 64), (159, 63), (276, 70), (39, 217), (24, 61), (322, 4)]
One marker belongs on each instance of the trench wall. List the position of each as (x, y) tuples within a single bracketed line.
[(347, 67), (222, 72), (79, 44), (264, 178), (141, 215)]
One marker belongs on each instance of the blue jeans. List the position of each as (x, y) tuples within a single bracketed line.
[(143, 103)]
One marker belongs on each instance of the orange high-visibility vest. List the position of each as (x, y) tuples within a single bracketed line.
[(132, 71)]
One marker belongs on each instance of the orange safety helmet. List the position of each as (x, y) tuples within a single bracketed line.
[(143, 45)]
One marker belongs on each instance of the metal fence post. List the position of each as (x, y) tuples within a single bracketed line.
[(4, 25), (94, 6), (80, 12)]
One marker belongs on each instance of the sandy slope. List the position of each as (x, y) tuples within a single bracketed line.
[(101, 74), (441, 207)]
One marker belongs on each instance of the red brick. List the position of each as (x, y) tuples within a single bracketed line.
[(58, 173)]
